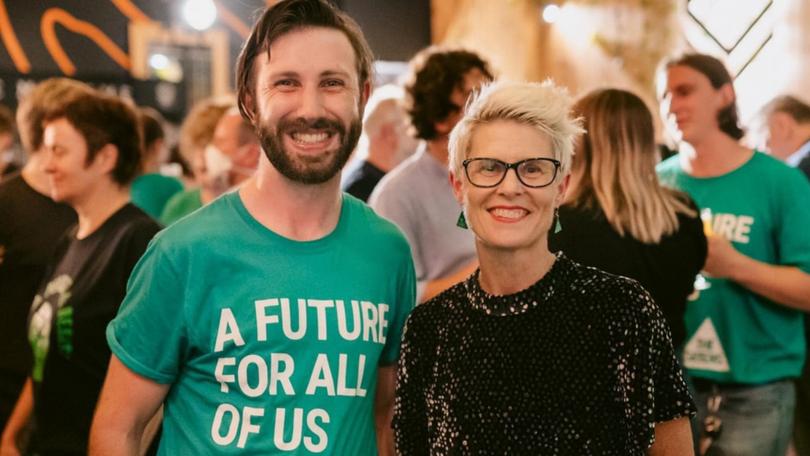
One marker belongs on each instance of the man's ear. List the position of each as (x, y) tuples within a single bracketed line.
[(106, 158), (727, 94), (250, 106), (781, 125)]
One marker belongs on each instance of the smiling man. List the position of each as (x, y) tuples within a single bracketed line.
[(269, 321)]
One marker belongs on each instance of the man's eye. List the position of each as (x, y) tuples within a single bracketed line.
[(284, 83), (333, 83)]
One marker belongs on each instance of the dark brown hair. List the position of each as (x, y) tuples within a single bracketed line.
[(44, 97), (287, 16), (101, 120), (151, 125), (434, 73), (728, 118)]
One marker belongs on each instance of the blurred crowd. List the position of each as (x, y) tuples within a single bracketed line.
[(452, 264)]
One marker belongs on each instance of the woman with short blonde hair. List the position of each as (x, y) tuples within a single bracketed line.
[(533, 353)]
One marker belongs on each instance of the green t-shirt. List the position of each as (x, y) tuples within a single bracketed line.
[(270, 345), (180, 205), (733, 334), (152, 191)]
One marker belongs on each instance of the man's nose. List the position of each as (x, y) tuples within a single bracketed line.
[(311, 104)]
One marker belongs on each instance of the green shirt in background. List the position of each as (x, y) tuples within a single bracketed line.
[(733, 334), (180, 205), (150, 192), (271, 345)]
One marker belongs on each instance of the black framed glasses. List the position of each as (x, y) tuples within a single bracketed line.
[(531, 172)]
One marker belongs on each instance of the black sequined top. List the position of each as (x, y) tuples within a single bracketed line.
[(580, 363)]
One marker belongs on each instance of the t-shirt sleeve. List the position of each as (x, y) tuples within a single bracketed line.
[(650, 373), (406, 299), (389, 203), (149, 333), (793, 230)]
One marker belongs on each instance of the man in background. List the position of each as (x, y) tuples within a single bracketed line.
[(787, 132), (787, 121), (417, 195), (385, 141)]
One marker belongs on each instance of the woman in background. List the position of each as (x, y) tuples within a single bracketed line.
[(196, 134), (618, 218)]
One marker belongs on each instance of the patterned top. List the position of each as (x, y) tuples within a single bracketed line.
[(579, 363)]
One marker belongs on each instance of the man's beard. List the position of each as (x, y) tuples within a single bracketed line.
[(308, 169)]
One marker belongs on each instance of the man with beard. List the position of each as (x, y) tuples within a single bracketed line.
[(269, 321)]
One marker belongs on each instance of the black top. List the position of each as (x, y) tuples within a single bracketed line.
[(667, 269), (580, 363), (362, 180), (81, 294), (31, 225)]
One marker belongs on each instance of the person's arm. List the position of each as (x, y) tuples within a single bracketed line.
[(127, 402), (18, 421), (434, 287), (672, 438), (384, 409), (786, 285)]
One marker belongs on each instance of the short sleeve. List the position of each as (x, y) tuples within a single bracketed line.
[(149, 333), (410, 412), (406, 299), (389, 203), (653, 383), (793, 228)]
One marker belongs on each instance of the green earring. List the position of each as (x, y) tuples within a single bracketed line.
[(557, 224), (462, 221)]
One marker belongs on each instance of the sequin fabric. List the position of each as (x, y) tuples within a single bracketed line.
[(580, 363)]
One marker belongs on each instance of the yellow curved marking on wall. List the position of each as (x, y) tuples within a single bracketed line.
[(12, 43), (131, 11), (232, 20), (53, 16)]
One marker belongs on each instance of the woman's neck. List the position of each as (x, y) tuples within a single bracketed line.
[(505, 272)]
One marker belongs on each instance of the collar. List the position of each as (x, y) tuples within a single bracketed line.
[(516, 303), (796, 157)]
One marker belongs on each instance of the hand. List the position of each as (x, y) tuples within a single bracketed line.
[(722, 259), (2, 253)]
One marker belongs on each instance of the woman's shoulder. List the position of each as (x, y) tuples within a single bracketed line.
[(613, 293)]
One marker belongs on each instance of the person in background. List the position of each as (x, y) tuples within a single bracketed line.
[(93, 152), (787, 131), (233, 155), (787, 122), (196, 134), (416, 195), (31, 224), (151, 190), (385, 142), (744, 331), (618, 218), (7, 134), (281, 304), (536, 354)]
